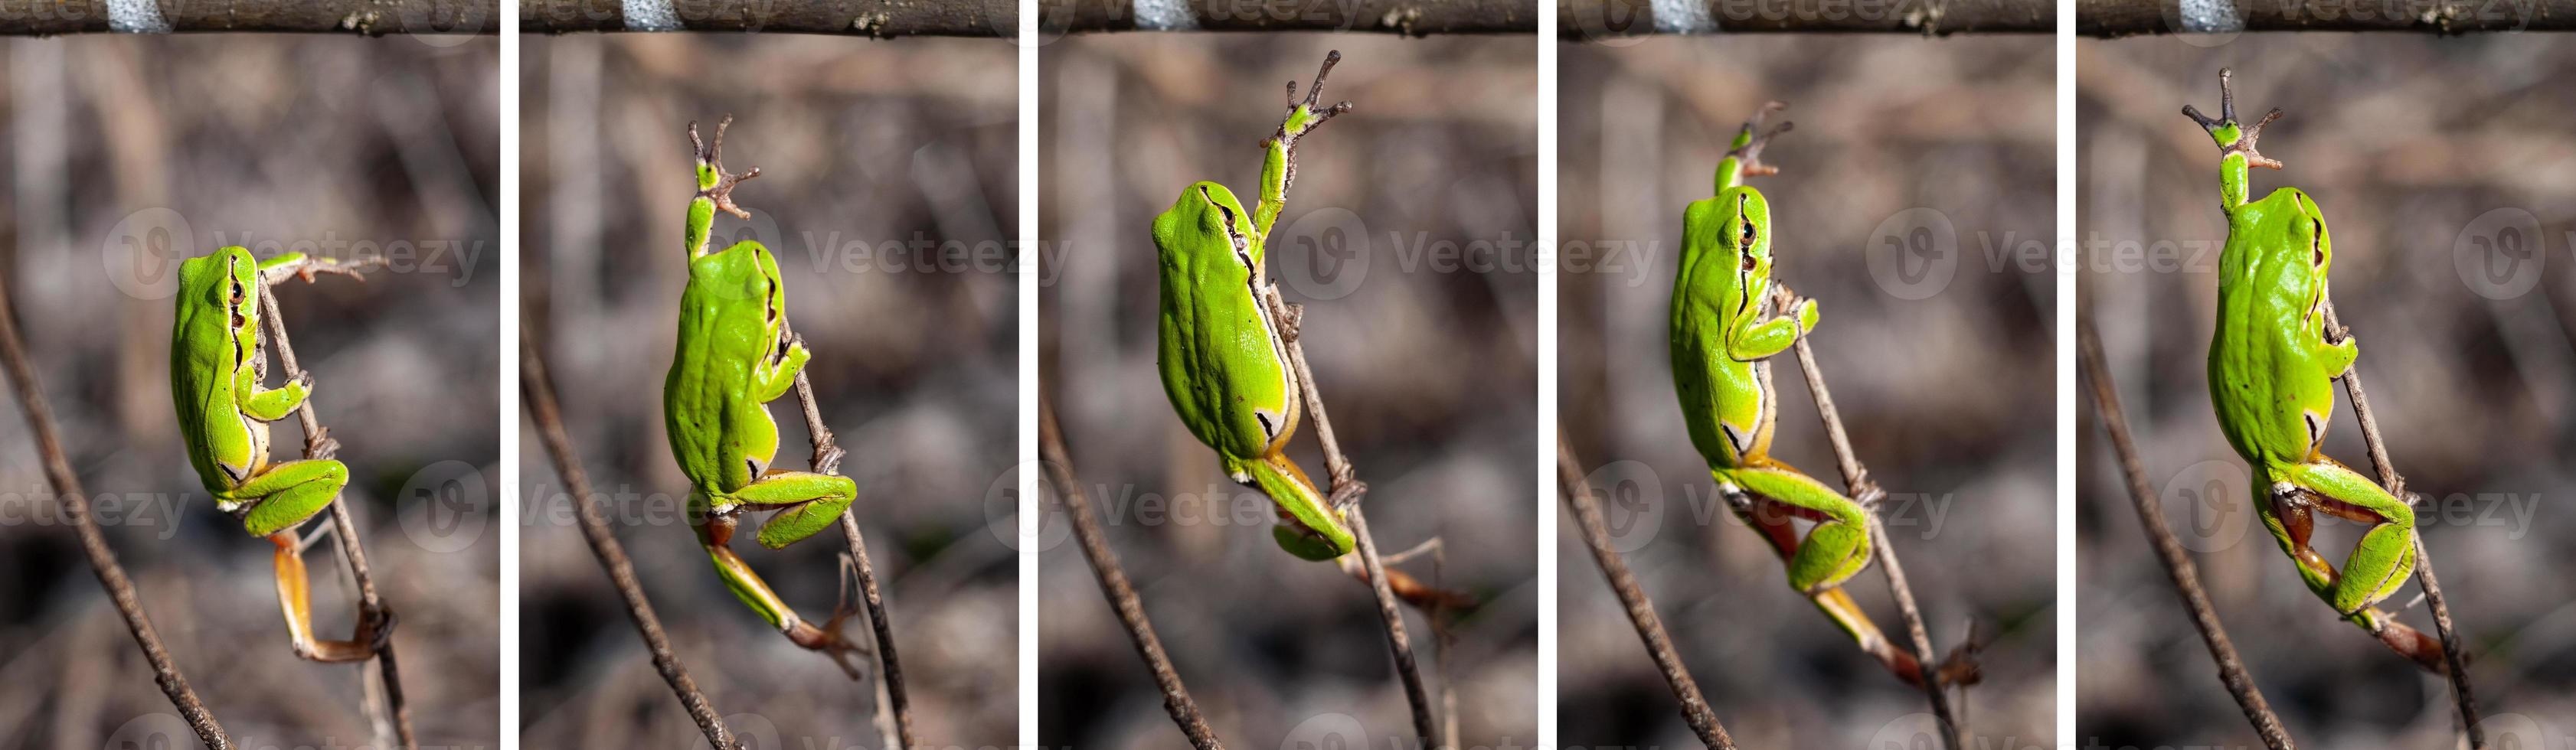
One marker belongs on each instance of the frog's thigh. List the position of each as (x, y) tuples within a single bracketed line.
[(2386, 554), (814, 500), (1837, 548), (290, 492)]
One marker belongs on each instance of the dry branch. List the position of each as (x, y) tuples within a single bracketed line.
[(111, 576), (1594, 20), (2461, 695), (1406, 17), (371, 607), (540, 392), (2178, 565), (2119, 18), (364, 17), (827, 460), (1641, 611), (1114, 585), (1345, 494), (872, 18), (1856, 481)]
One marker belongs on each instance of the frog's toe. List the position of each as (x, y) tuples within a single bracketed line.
[(2378, 567)]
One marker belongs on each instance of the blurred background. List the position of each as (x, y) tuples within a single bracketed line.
[(2446, 172), (128, 154), (1914, 203), (888, 192), (1407, 238)]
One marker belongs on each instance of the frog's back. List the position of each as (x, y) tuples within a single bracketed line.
[(1713, 386), (707, 396), (202, 357), (2261, 357), (1220, 362)]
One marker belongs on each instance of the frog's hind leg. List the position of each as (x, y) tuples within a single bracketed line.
[(282, 498), (1835, 550), (2385, 556), (805, 517), (1774, 520), (807, 503)]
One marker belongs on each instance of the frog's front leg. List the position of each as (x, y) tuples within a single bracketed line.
[(298, 265), (275, 403), (2235, 142), (1835, 550), (280, 499), (1279, 153), (775, 374), (2379, 563), (1744, 154), (715, 189), (1761, 340)]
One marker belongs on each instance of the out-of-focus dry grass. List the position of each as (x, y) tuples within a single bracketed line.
[(1427, 370), (2404, 141), (1947, 397), (858, 142), (127, 153)]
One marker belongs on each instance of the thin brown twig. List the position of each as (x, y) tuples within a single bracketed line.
[(603, 544), (102, 559), (1114, 585), (1641, 611), (1345, 494), (344, 531), (2462, 696), (827, 460), (1856, 481), (2178, 565)]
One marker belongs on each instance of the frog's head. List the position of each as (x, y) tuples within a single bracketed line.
[(1207, 219), (1744, 229), (2233, 137), (2308, 225), (226, 279)]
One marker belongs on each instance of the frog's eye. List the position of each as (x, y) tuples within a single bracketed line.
[(1745, 236), (2317, 243)]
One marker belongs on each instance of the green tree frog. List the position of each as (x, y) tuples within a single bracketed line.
[(217, 368), (2272, 367), (1728, 320), (735, 354), (1223, 360)]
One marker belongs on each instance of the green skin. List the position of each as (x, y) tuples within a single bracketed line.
[(2271, 379), (1727, 323), (735, 354), (1222, 357), (1725, 327), (216, 365)]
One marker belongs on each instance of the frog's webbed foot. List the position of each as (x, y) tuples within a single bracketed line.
[(827, 638), (2226, 125), (1315, 115), (1749, 141), (708, 158)]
